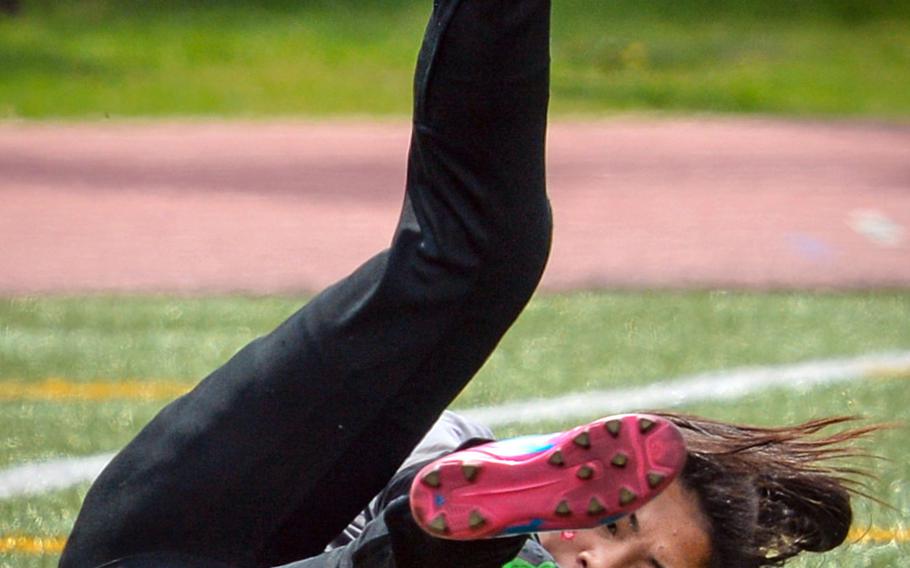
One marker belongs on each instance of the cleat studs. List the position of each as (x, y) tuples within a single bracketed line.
[(563, 509), (476, 520), (439, 525), (626, 497), (655, 479), (585, 472), (595, 507), (583, 440), (620, 460), (470, 471), (613, 427), (557, 459), (645, 425), (431, 479)]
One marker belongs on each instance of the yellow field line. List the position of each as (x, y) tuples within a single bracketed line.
[(62, 390), (37, 545), (47, 545), (876, 535)]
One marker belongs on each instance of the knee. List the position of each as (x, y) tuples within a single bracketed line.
[(501, 254), (528, 234), (518, 254)]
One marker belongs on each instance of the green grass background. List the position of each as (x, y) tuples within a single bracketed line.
[(562, 343), (126, 58), (92, 59)]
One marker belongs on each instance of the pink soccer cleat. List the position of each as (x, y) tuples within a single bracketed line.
[(585, 477)]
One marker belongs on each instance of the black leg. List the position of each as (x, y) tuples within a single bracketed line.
[(273, 453)]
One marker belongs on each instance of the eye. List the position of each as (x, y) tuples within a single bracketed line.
[(611, 528), (633, 522)]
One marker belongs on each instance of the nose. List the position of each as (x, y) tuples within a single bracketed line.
[(616, 555)]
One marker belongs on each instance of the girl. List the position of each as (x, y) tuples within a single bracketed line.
[(745, 497), (269, 457)]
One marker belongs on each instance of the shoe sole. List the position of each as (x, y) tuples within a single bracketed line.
[(584, 477)]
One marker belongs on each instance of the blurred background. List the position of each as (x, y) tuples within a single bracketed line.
[(98, 58), (730, 181)]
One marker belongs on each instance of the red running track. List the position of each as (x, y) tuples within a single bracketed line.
[(262, 207)]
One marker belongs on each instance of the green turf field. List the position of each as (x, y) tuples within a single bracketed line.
[(98, 58), (563, 343)]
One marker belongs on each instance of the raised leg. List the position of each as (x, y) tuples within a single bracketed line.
[(272, 454)]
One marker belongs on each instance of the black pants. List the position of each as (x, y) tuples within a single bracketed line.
[(271, 455)]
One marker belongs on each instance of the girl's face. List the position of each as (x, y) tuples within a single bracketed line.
[(668, 532)]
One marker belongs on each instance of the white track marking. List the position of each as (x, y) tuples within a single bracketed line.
[(877, 227), (728, 385), (31, 479), (36, 478)]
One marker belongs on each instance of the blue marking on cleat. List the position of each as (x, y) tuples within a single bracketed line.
[(532, 527), (439, 500), (522, 445), (613, 519)]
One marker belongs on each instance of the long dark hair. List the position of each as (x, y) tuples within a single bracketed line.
[(771, 493)]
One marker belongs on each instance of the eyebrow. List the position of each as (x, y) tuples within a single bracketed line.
[(633, 522)]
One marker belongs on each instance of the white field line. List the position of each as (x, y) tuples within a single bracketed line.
[(31, 479), (728, 385), (35, 478)]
